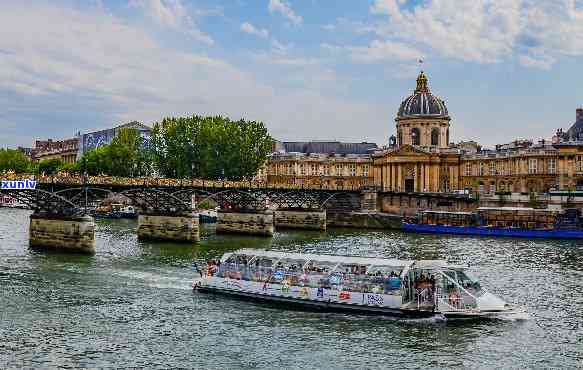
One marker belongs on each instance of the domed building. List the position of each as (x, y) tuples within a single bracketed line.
[(423, 119), (421, 160)]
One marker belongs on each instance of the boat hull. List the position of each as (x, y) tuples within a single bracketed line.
[(493, 231), (320, 306)]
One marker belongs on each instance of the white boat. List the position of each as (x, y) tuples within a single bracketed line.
[(423, 288)]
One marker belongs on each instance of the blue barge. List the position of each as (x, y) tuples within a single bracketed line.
[(500, 222), (493, 231)]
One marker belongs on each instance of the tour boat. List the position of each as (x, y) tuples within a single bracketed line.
[(501, 221), (366, 285)]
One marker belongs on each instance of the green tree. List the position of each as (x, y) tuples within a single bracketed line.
[(126, 156), (210, 147), (49, 166), (14, 160)]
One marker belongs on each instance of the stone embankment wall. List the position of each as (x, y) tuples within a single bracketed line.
[(256, 223), (175, 228), (364, 220), (405, 204), (68, 234), (295, 219)]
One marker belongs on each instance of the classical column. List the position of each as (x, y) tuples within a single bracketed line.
[(427, 182), (435, 176), (399, 175)]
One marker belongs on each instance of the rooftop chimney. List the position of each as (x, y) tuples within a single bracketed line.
[(579, 115)]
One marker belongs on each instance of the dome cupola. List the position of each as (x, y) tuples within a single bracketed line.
[(422, 103)]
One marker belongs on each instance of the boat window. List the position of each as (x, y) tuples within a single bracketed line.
[(469, 282), (263, 262), (239, 259)]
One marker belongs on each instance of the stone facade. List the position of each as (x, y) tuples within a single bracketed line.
[(259, 223), (408, 204), (71, 234), (364, 220), (308, 220), (63, 150), (175, 228), (330, 171)]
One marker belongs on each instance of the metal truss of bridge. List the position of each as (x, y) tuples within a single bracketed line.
[(65, 200)]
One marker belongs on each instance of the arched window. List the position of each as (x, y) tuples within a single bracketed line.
[(400, 137), (435, 136), (415, 136)]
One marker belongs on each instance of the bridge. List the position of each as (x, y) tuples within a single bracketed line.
[(62, 206)]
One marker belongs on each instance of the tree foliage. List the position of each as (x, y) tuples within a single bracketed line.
[(126, 156), (49, 166), (209, 147), (14, 160)]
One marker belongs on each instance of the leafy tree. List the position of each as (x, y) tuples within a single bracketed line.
[(14, 160), (49, 166), (209, 147), (126, 156)]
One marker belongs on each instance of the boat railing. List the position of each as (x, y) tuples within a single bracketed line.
[(461, 299), (452, 303)]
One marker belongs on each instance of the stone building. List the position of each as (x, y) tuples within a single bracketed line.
[(330, 164), (63, 150), (422, 160)]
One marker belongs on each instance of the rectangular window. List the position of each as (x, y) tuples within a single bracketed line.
[(579, 164), (365, 170), (352, 170), (289, 169), (302, 169), (326, 170), (532, 162), (468, 169), (481, 169), (552, 165), (339, 170), (493, 168), (314, 170)]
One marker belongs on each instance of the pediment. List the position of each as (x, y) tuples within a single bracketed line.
[(408, 150)]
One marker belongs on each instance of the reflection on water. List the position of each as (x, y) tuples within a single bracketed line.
[(131, 305)]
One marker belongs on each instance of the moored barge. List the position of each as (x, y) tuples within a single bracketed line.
[(503, 222), (379, 286)]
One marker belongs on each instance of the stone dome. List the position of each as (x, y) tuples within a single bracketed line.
[(422, 103)]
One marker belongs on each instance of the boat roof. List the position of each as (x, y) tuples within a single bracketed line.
[(357, 260), (505, 209), (447, 212)]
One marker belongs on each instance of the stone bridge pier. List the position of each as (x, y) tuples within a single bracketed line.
[(251, 222), (62, 233), (306, 219), (179, 228)]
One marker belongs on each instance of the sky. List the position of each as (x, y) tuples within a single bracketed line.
[(308, 69)]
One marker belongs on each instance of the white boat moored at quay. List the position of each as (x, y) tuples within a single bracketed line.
[(407, 288)]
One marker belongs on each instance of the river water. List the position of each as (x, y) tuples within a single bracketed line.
[(131, 305)]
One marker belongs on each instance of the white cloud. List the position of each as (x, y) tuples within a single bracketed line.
[(250, 29), (281, 6), (172, 14), (486, 31), (378, 51), (119, 71)]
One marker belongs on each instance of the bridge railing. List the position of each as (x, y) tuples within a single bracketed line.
[(80, 180)]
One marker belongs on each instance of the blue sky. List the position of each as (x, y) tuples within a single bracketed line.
[(309, 69)]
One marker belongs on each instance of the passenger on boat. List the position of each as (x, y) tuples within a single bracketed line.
[(212, 268)]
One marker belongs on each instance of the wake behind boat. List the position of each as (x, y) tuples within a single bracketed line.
[(407, 288)]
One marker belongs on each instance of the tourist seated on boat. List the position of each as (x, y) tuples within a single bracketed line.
[(212, 267), (392, 283)]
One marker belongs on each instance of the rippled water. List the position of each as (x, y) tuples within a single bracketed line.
[(131, 305)]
